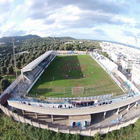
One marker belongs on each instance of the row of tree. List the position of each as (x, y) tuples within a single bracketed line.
[(4, 83), (4, 70), (11, 130), (36, 47)]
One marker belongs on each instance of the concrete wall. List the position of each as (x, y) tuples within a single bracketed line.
[(82, 122), (68, 52), (74, 111), (132, 86), (89, 132), (11, 86), (84, 98), (122, 76)]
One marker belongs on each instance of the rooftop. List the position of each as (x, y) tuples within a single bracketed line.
[(34, 63)]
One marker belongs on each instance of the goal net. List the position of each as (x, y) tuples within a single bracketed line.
[(76, 90)]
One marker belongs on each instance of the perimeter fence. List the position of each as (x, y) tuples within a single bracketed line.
[(74, 92)]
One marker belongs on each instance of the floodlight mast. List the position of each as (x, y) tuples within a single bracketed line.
[(135, 46), (15, 64), (54, 43)]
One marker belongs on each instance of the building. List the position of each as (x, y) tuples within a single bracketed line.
[(136, 74), (126, 64)]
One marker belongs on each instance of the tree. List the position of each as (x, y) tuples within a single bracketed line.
[(106, 54), (4, 83), (75, 137), (10, 70), (77, 47), (97, 136), (2, 63), (23, 61), (11, 61), (0, 78), (3, 70), (68, 46), (136, 129), (18, 64), (67, 137), (58, 136), (6, 63)]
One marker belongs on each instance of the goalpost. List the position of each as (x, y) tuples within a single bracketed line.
[(78, 90)]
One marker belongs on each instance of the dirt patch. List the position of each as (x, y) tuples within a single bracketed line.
[(68, 68)]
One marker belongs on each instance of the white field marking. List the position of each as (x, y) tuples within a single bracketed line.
[(102, 90), (90, 88), (50, 85), (102, 84)]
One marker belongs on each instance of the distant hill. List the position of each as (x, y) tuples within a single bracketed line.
[(66, 38), (18, 38), (59, 38)]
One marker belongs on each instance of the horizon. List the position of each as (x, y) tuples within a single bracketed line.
[(128, 45), (110, 20)]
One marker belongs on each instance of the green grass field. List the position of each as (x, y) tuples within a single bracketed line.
[(74, 71)]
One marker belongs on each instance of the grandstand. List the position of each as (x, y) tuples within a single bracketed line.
[(31, 72), (33, 69), (67, 114), (106, 63)]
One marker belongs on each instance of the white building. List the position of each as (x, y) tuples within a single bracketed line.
[(126, 64), (114, 57), (136, 74)]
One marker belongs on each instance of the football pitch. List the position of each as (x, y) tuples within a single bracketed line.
[(74, 76)]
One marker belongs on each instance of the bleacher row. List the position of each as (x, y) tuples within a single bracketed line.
[(31, 75), (83, 98), (108, 64)]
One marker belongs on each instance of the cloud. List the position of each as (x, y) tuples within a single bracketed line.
[(18, 11), (5, 6), (99, 32), (78, 13), (51, 16), (57, 17), (138, 35), (11, 30), (127, 33), (137, 1), (76, 18), (105, 6), (137, 26), (14, 32)]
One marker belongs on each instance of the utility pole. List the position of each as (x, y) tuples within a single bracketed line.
[(54, 43), (15, 65), (135, 45)]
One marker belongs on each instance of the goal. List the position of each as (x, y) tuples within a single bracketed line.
[(76, 90)]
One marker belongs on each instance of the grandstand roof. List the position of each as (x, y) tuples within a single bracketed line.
[(107, 63), (111, 66), (34, 63)]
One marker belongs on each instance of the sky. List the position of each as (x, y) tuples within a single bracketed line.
[(112, 20)]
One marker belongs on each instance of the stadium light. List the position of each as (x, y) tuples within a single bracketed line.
[(15, 64), (136, 46)]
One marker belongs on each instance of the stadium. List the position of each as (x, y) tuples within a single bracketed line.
[(74, 76), (74, 92)]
